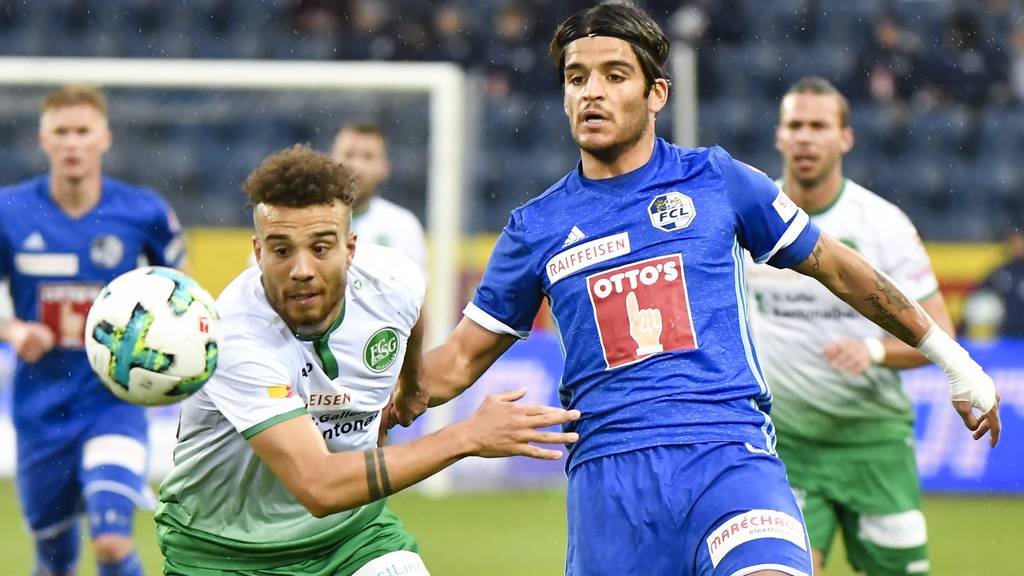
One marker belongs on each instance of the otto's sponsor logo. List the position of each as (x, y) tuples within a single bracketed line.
[(754, 525), (587, 254), (381, 349), (338, 399), (63, 307), (671, 211), (634, 277), (642, 309)]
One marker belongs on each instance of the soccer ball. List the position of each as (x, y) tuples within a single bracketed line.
[(152, 336)]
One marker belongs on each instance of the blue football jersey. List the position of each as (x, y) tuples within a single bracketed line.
[(644, 275), (56, 266)]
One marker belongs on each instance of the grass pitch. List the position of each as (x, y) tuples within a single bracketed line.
[(523, 533)]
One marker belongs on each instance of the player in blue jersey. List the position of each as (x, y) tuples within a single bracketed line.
[(62, 237), (639, 251)]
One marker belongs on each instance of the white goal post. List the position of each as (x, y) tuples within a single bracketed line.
[(444, 83)]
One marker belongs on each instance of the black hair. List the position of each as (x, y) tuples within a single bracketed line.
[(617, 19)]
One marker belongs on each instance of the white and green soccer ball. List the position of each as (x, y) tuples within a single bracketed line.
[(152, 336)]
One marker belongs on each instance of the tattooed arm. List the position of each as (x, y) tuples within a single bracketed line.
[(870, 292), (328, 482), (850, 277)]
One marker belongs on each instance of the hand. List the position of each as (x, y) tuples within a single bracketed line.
[(848, 355), (644, 326), (500, 427), (989, 421), (31, 340), (406, 408)]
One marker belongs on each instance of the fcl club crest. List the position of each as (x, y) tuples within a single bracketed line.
[(671, 211)]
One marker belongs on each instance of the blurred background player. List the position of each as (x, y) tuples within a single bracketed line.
[(62, 237), (996, 308), (277, 466), (650, 306), (845, 424), (375, 220)]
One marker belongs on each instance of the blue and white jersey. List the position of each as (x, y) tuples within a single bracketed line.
[(56, 265), (644, 275)]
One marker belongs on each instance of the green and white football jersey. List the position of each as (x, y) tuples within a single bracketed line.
[(221, 507), (793, 317), (387, 224)]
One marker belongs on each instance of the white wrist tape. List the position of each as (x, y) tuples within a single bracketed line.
[(876, 350), (967, 381)]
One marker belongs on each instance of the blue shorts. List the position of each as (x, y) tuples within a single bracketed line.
[(715, 509), (97, 466)]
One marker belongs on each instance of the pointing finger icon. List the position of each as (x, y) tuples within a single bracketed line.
[(632, 307)]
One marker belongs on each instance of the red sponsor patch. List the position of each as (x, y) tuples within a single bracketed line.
[(204, 324), (642, 309), (63, 307)]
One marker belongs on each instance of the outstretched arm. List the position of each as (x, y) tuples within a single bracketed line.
[(326, 482), (455, 365), (855, 356), (869, 291)]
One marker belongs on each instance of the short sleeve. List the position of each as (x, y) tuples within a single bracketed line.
[(904, 258), (165, 243), (769, 225), (509, 295), (252, 386)]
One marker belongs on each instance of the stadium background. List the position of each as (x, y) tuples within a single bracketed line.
[(936, 89)]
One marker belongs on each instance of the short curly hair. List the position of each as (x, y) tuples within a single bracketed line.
[(297, 177)]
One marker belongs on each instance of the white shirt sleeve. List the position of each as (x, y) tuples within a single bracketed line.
[(252, 386), (904, 258)]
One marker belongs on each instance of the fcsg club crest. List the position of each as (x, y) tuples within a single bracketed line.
[(671, 211)]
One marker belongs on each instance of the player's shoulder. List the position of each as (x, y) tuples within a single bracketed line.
[(386, 270), (709, 164), (133, 198), (23, 186), (243, 306), (112, 185), (14, 195), (393, 209), (869, 202)]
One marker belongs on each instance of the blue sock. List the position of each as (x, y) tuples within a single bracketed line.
[(58, 555), (128, 566)]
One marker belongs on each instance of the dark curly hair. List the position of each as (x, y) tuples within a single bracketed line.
[(297, 177), (617, 19)]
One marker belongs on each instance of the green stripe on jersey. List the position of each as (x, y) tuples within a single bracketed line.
[(254, 430)]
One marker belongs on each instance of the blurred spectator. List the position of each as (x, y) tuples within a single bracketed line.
[(997, 305), (1016, 50), (318, 16), (454, 40), (968, 67), (888, 63), (369, 35), (513, 58)]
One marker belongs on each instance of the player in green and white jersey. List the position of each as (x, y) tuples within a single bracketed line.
[(844, 421), (364, 150), (277, 468)]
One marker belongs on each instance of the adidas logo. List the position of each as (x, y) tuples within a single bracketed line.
[(34, 242), (575, 235)]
